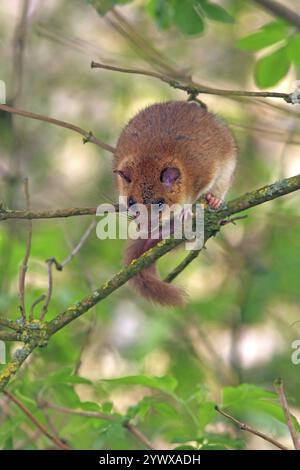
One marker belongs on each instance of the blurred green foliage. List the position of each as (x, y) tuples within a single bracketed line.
[(162, 369), (273, 66), (188, 15)]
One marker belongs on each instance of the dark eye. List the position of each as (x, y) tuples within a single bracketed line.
[(160, 203), (131, 201)]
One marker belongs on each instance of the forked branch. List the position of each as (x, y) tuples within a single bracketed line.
[(213, 224)]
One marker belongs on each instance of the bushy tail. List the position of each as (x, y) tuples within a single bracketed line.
[(147, 282)]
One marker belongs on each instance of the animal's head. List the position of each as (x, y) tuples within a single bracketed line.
[(150, 181)]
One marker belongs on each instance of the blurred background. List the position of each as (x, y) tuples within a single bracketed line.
[(239, 324)]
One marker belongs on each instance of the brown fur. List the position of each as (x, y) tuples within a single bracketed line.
[(148, 283), (174, 134)]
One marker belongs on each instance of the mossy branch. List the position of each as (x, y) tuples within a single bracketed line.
[(37, 333), (6, 214)]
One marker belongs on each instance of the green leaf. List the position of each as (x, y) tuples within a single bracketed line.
[(66, 376), (270, 69), (185, 448), (165, 409), (266, 36), (66, 395), (107, 407), (25, 398), (187, 17), (8, 444), (76, 379), (215, 12), (162, 12), (244, 393), (294, 50), (89, 406), (8, 427), (140, 409), (166, 384), (222, 441), (103, 6), (250, 399), (206, 414)]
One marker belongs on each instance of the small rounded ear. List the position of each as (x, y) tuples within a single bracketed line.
[(169, 175), (124, 174)]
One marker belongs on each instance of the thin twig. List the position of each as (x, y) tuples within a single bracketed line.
[(44, 310), (59, 266), (278, 384), (24, 265), (103, 416), (265, 133), (139, 435), (88, 136), (35, 303), (31, 435), (147, 73), (140, 42), (46, 214), (181, 266), (58, 442), (246, 427), (192, 87), (10, 336), (232, 220), (51, 424), (9, 324), (6, 214), (280, 10), (80, 244), (14, 365), (71, 411)]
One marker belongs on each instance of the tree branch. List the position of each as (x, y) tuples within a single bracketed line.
[(59, 443), (78, 246), (44, 310), (278, 384), (10, 324), (139, 435), (40, 299), (246, 201), (246, 427), (59, 266), (103, 416), (181, 266), (193, 88), (40, 334), (87, 136), (24, 265), (46, 214), (19, 357), (10, 336), (260, 196)]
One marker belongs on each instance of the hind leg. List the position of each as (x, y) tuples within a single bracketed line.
[(221, 185)]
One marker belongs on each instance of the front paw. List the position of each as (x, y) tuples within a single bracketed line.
[(213, 201)]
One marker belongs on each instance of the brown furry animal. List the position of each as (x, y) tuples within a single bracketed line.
[(172, 153)]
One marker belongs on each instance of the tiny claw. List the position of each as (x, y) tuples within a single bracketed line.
[(213, 202)]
